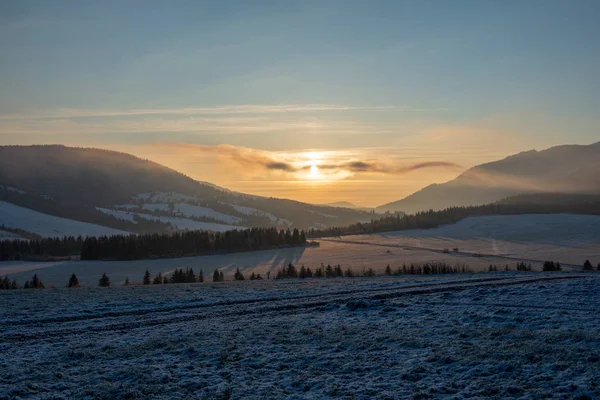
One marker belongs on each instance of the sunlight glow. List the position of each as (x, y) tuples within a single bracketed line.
[(314, 173)]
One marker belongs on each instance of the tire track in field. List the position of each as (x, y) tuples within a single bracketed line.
[(438, 251), (277, 306), (199, 305)]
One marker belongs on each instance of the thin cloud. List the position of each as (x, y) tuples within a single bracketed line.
[(219, 110), (254, 159)]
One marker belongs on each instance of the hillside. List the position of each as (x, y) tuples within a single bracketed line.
[(124, 192), (561, 169)]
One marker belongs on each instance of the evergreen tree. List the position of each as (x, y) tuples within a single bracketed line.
[(165, 280), (26, 285), (238, 276), (191, 276), (329, 271), (104, 281), (587, 266), (147, 278), (216, 276), (201, 276), (221, 276), (73, 281), (158, 279), (36, 283), (302, 273), (388, 270)]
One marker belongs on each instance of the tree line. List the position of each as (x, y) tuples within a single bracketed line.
[(522, 204), (291, 271), (152, 245)]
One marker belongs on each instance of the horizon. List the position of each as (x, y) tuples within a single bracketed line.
[(318, 102)]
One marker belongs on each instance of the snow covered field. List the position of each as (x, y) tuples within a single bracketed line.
[(569, 239), (502, 335), (13, 216)]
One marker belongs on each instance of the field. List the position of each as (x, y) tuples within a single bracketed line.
[(481, 241), (501, 335), (46, 225)]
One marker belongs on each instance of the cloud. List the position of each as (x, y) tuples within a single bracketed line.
[(68, 113), (280, 166), (255, 160)]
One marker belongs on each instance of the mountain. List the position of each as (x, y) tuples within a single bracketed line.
[(560, 169), (124, 192)]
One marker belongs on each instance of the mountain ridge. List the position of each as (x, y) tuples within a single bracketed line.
[(83, 183), (564, 168)]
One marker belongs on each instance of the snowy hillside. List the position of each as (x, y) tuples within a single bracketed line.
[(13, 216)]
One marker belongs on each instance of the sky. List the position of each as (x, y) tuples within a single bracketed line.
[(319, 101)]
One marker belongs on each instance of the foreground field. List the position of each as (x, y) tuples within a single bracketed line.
[(481, 241), (501, 335)]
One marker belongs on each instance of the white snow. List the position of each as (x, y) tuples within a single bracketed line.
[(189, 210), (12, 189), (4, 235), (464, 337), (255, 211), (124, 215), (13, 216), (378, 251)]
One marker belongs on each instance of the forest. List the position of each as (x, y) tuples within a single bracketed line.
[(155, 245), (522, 204)]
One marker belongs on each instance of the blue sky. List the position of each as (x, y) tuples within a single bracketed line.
[(435, 77)]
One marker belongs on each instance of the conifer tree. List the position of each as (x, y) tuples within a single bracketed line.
[(216, 276), (147, 278), (158, 279), (104, 281), (73, 281), (221, 276), (201, 276), (191, 276), (238, 276), (388, 270), (587, 266), (36, 283)]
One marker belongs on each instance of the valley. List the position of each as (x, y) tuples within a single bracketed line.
[(481, 241)]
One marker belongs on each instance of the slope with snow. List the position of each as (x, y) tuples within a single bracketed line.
[(253, 211), (13, 216)]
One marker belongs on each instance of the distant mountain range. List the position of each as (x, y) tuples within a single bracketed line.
[(52, 190), (561, 169), (120, 191)]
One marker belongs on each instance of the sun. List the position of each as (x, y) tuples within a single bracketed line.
[(314, 172)]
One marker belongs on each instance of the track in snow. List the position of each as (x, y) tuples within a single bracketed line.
[(16, 331)]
